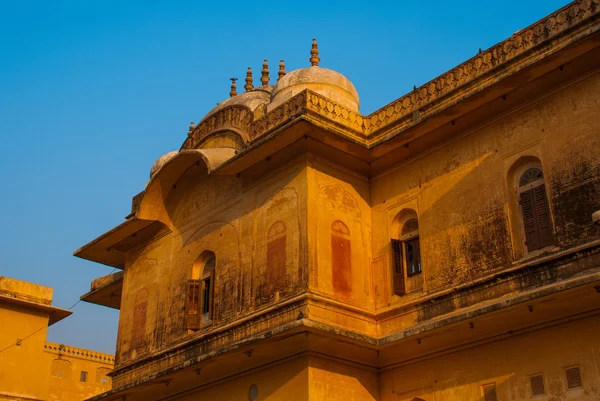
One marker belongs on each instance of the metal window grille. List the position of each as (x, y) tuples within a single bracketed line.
[(573, 377), (537, 385), (489, 392)]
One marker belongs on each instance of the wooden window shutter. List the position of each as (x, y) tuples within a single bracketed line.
[(192, 317), (532, 235), (398, 267), (543, 215), (536, 218)]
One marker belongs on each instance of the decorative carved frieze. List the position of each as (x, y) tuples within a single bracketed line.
[(517, 45), (234, 118)]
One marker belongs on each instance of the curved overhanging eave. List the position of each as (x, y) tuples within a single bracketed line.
[(150, 219)]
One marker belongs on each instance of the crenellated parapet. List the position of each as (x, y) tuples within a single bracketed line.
[(79, 352), (550, 34)]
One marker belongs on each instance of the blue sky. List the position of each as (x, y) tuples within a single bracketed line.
[(93, 92)]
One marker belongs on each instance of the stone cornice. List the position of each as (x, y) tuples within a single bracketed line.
[(503, 59), (526, 47)]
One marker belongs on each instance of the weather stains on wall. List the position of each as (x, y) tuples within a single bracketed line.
[(140, 313), (276, 257), (341, 259), (276, 269)]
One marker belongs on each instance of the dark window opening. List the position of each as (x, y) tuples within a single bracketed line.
[(206, 295), (489, 392), (537, 385), (413, 257), (83, 376), (573, 377)]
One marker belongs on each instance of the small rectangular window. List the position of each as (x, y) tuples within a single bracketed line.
[(573, 377), (537, 385), (83, 376), (489, 392)]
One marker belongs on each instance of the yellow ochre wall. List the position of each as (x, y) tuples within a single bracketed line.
[(464, 196), (66, 364), (30, 371), (230, 217), (508, 363), (24, 373)]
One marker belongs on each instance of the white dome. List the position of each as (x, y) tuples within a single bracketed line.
[(324, 81)]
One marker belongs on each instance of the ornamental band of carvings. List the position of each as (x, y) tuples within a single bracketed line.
[(235, 118), (400, 112)]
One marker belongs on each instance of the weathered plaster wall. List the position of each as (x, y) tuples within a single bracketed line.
[(508, 363), (253, 226), (335, 381), (66, 367), (339, 231), (281, 382), (464, 196)]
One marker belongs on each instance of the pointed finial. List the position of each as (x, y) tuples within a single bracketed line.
[(233, 91), (314, 54), (249, 84), (191, 128), (281, 71), (265, 74)]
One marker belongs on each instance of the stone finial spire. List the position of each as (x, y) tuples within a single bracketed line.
[(265, 74), (233, 91), (191, 128), (249, 85), (314, 54), (281, 71)]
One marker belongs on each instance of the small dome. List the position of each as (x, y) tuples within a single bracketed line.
[(253, 100), (161, 161), (324, 81)]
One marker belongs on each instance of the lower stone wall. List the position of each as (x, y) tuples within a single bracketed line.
[(512, 366), (287, 381)]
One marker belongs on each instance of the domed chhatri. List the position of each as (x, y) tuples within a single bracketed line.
[(326, 82), (161, 161)]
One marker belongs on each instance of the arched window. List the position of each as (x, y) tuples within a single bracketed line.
[(535, 212), (140, 312), (200, 294), (406, 250), (341, 259), (276, 258)]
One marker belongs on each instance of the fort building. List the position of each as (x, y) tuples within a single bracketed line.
[(440, 248), (32, 368)]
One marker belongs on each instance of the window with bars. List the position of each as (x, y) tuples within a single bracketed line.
[(489, 392), (537, 385), (535, 211), (573, 377)]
